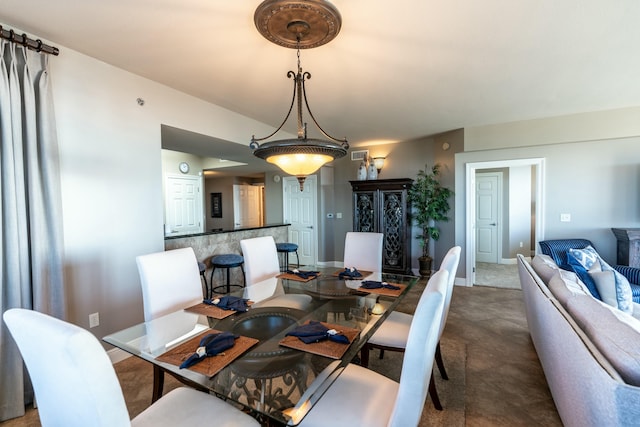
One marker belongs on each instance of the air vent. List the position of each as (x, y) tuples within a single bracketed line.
[(359, 155)]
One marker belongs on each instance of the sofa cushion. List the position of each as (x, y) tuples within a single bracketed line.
[(545, 267), (615, 334), (565, 284)]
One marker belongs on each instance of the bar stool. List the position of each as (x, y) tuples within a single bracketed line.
[(202, 267), (285, 249), (227, 261)]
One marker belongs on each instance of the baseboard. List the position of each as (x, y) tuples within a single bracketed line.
[(117, 355), (330, 264)]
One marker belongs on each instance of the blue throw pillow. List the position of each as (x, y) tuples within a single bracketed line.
[(583, 274)]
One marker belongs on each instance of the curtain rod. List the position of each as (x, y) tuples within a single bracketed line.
[(24, 40)]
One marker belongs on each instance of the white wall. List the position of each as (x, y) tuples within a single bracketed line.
[(597, 181), (111, 174)]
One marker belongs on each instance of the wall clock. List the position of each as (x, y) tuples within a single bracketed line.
[(184, 167)]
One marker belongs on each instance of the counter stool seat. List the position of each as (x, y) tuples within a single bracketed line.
[(286, 249), (227, 261)]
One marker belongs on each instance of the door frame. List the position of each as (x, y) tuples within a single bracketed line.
[(471, 169)]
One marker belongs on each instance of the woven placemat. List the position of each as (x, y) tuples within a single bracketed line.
[(385, 291), (210, 365), (326, 348), (211, 310), (364, 274), (291, 276)]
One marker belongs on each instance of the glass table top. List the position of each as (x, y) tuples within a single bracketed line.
[(269, 379)]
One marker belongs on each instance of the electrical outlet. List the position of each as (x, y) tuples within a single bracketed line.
[(565, 217), (94, 320)]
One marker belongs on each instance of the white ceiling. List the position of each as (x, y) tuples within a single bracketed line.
[(398, 70)]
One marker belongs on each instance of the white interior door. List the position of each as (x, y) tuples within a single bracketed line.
[(488, 224), (247, 206), (183, 205), (300, 212)]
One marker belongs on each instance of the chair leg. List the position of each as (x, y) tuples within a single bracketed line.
[(158, 383), (297, 258), (440, 363), (210, 293), (364, 356), (434, 393)]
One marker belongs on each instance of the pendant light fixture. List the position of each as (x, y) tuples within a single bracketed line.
[(298, 25)]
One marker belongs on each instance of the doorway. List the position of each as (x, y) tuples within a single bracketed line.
[(520, 205), (183, 205), (300, 211)]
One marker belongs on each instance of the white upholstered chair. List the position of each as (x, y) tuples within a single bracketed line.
[(363, 251), (393, 334), (261, 266), (76, 386), (363, 397), (260, 259), (170, 281)]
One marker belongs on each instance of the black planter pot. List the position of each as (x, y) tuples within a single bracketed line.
[(425, 266)]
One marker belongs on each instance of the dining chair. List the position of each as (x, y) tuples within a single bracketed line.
[(363, 250), (393, 334), (76, 386), (260, 259), (261, 266), (170, 281), (359, 396)]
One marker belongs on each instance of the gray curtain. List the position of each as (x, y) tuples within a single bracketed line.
[(31, 251)]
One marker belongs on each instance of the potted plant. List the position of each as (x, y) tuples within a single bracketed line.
[(430, 204)]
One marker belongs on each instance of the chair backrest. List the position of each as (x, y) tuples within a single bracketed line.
[(260, 259), (363, 250), (419, 353), (170, 281), (450, 264), (557, 249), (74, 381)]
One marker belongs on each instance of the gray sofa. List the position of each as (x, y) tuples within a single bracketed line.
[(590, 352)]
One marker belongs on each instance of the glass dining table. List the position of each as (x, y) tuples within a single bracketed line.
[(275, 377)]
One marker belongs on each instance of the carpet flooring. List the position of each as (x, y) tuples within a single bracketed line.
[(495, 378), (497, 275)]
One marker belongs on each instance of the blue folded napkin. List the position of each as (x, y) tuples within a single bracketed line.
[(350, 273), (316, 332), (229, 303), (210, 345), (372, 284), (304, 274)]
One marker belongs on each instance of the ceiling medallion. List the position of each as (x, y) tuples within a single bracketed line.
[(314, 22), (299, 25)]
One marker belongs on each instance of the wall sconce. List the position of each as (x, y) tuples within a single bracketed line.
[(378, 162)]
